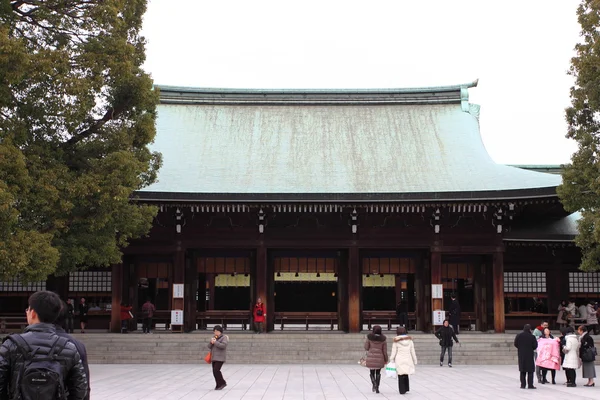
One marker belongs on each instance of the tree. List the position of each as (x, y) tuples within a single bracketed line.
[(580, 190), (77, 114)]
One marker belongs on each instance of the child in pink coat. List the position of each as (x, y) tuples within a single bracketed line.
[(548, 358)]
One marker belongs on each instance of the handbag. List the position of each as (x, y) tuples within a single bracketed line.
[(363, 361), (589, 355), (390, 370), (208, 358)]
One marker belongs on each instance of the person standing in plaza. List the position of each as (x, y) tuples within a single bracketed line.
[(258, 315), (454, 314), (405, 358), (571, 361), (84, 309), (147, 314), (447, 338), (377, 357), (592, 318), (538, 332), (218, 352), (587, 355), (562, 317), (526, 343), (402, 313), (548, 359), (69, 316)]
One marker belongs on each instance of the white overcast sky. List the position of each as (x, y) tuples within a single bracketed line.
[(518, 49)]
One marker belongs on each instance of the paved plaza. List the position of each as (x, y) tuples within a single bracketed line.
[(314, 382)]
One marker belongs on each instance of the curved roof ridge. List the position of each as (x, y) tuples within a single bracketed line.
[(405, 90)]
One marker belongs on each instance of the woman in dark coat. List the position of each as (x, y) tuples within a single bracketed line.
[(588, 368), (526, 343), (446, 334), (377, 357)]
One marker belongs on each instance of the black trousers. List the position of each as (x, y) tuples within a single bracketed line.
[(403, 319), (216, 365), (403, 384), (147, 324), (449, 348), (69, 324), (571, 375), (545, 372), (529, 378)]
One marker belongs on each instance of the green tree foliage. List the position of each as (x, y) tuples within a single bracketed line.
[(77, 113), (580, 190)]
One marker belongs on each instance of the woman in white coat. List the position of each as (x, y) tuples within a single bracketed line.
[(403, 355), (571, 362)]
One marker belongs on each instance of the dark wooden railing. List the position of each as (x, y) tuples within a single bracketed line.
[(223, 317), (305, 318), (12, 322), (387, 318)]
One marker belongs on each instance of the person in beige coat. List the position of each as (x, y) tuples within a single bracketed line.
[(403, 355), (571, 362)]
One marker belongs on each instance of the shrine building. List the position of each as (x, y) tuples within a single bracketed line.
[(332, 206)]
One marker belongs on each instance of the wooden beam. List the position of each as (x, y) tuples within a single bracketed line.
[(354, 286), (436, 279), (262, 286), (498, 277), (117, 292), (191, 288)]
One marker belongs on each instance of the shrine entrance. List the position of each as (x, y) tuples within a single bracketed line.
[(306, 289)]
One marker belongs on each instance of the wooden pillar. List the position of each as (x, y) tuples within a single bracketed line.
[(263, 288), (498, 276), (210, 281), (436, 279), (354, 285), (191, 288), (178, 278), (342, 271), (117, 296), (422, 306), (130, 288)]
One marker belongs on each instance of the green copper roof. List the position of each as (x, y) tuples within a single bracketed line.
[(422, 140)]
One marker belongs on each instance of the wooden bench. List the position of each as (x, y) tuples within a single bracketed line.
[(533, 318), (467, 319), (305, 318), (12, 323), (388, 318), (223, 317)]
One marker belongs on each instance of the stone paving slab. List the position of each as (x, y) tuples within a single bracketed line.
[(318, 382)]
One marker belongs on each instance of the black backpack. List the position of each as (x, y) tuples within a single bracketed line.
[(41, 376)]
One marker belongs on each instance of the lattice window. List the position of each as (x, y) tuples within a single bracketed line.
[(90, 281), (16, 286), (584, 282), (524, 282)]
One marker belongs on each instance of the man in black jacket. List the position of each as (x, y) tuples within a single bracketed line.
[(454, 314), (526, 343), (43, 310), (446, 335), (58, 324)]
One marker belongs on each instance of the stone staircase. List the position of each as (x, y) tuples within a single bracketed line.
[(286, 348)]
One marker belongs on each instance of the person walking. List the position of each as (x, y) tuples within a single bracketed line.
[(587, 353), (218, 352), (69, 316), (125, 316), (454, 314), (525, 343), (548, 358), (258, 315), (447, 338), (405, 358), (32, 364), (148, 310), (402, 314), (377, 357), (571, 361), (83, 314)]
